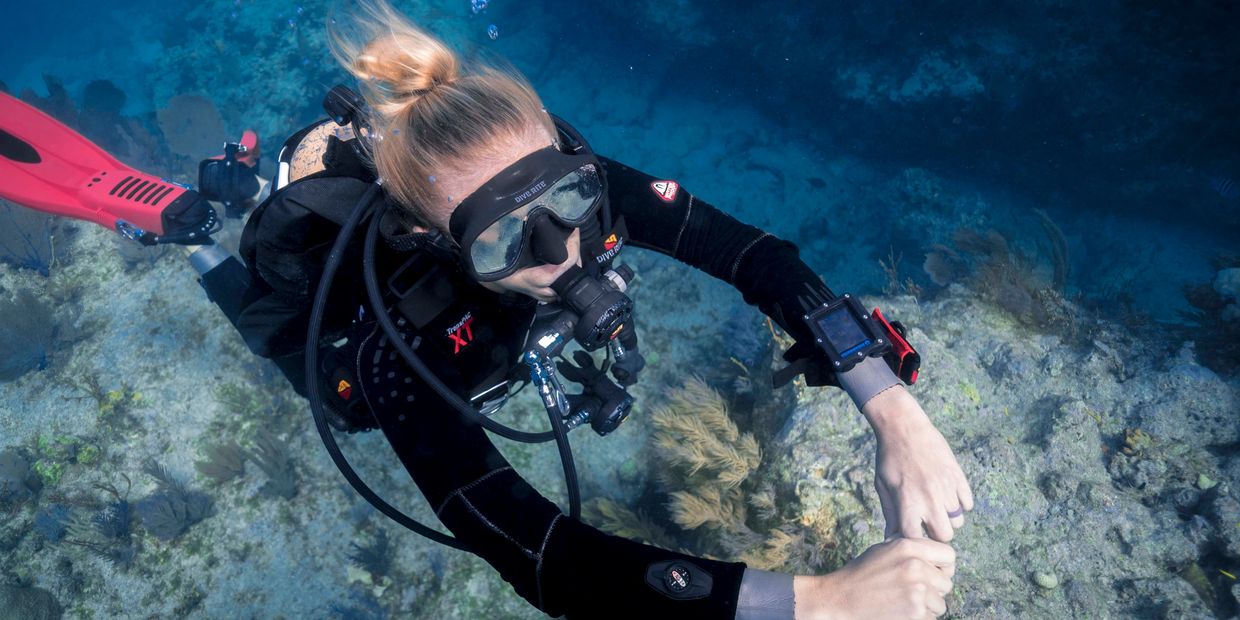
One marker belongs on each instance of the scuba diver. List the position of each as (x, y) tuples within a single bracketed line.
[(476, 234)]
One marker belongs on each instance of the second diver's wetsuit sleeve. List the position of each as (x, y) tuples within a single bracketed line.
[(767, 270), (557, 563)]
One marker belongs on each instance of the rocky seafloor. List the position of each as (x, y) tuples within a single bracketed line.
[(1102, 466)]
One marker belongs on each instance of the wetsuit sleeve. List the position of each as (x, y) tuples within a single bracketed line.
[(559, 564), (767, 270)]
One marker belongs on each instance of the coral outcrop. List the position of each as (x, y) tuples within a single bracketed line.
[(708, 471)]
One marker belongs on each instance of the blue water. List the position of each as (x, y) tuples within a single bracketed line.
[(860, 131), (1110, 116)]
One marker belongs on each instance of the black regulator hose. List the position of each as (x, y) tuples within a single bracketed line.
[(411, 358), (315, 391), (566, 462), (558, 432)]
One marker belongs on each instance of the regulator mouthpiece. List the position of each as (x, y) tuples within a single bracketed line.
[(604, 310)]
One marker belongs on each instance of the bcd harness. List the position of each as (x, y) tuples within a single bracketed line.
[(288, 246)]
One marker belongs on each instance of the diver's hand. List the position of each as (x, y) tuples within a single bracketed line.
[(916, 474), (905, 578)]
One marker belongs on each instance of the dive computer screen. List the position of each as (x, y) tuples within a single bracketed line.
[(842, 331)]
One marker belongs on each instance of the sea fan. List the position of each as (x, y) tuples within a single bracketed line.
[(173, 508), (27, 335), (271, 455)]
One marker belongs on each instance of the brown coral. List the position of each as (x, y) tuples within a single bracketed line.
[(707, 473), (706, 466), (1005, 276), (614, 517), (696, 434)]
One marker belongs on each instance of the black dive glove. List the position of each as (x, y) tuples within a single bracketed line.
[(878, 337), (805, 358), (607, 403), (625, 371)]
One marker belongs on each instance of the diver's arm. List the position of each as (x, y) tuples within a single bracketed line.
[(766, 269), (557, 563), (230, 287)]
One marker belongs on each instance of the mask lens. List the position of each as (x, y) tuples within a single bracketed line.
[(497, 247), (570, 200), (572, 197)]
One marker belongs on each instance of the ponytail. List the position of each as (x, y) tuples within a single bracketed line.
[(431, 113)]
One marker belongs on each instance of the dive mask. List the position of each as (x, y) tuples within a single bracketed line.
[(523, 216)]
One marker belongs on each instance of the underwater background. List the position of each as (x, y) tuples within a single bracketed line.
[(1046, 193)]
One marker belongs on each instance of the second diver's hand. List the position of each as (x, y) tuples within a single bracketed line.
[(904, 578), (917, 477)]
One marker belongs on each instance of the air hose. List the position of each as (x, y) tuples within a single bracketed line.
[(315, 392), (314, 389), (406, 352)]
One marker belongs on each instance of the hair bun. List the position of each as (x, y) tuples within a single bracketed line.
[(412, 70)]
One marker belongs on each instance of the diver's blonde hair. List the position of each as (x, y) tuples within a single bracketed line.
[(431, 113)]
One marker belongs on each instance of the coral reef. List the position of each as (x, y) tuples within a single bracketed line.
[(271, 455), (192, 126), (27, 333), (707, 471), (1108, 484), (27, 238), (1214, 320), (173, 507), (18, 481), (1104, 471), (1004, 275), (224, 461)]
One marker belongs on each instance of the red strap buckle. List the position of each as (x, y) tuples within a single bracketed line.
[(903, 358)]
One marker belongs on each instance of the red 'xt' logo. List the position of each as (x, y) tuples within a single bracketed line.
[(461, 334)]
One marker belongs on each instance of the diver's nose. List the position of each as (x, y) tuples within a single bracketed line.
[(549, 240)]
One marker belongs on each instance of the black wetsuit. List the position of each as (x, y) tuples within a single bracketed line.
[(557, 563)]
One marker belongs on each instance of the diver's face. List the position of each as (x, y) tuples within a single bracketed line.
[(453, 186), (536, 281)]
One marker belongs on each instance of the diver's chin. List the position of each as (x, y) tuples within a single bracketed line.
[(543, 294)]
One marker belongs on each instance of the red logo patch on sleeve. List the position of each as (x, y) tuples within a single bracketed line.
[(665, 190)]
